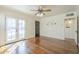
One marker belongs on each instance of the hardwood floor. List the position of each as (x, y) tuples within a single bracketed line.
[(45, 45)]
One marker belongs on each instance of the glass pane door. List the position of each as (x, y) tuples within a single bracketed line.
[(10, 28), (21, 29)]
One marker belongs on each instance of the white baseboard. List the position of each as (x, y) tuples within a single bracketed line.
[(53, 37), (30, 37)]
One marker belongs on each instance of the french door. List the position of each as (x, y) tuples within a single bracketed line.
[(15, 29), (21, 29)]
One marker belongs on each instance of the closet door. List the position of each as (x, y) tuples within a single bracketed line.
[(10, 28), (21, 29)]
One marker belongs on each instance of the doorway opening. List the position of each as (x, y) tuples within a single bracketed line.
[(37, 29)]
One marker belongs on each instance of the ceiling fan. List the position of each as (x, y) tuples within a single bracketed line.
[(41, 11)]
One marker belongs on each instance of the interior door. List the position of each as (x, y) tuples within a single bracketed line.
[(71, 29), (78, 31)]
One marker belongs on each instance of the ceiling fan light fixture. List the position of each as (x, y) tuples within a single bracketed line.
[(40, 14)]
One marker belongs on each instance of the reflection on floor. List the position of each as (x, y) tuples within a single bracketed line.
[(43, 45)]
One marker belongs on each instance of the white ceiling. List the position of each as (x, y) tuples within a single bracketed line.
[(56, 9)]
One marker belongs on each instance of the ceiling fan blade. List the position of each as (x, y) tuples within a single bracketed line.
[(47, 10), (34, 10), (36, 13)]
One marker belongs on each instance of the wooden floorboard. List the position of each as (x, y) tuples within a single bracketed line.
[(46, 45)]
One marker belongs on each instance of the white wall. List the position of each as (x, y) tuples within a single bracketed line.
[(50, 29), (30, 28), (2, 29)]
